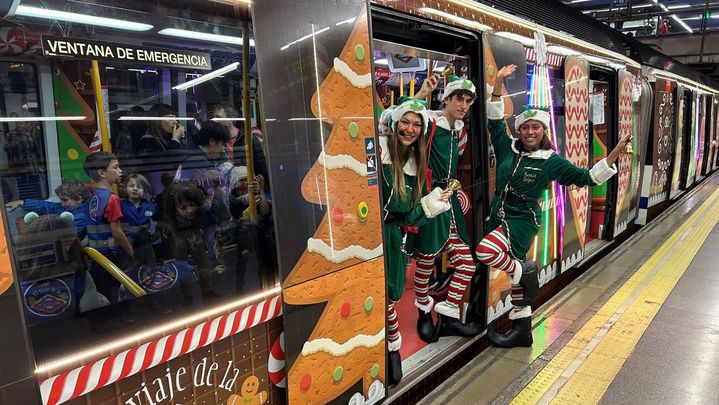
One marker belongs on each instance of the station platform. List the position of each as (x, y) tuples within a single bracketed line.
[(639, 327)]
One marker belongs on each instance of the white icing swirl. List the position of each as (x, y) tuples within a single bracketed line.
[(342, 161), (338, 256), (333, 348), (359, 81)]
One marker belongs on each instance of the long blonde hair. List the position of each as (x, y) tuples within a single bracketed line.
[(399, 157)]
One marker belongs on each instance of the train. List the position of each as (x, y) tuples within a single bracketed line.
[(285, 302)]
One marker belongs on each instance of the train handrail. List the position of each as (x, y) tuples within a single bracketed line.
[(115, 271)]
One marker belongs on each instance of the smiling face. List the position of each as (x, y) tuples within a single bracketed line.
[(531, 134), (250, 386), (457, 105), (409, 128), (134, 190)]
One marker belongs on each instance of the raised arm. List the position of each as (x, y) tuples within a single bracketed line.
[(614, 154), (428, 86)]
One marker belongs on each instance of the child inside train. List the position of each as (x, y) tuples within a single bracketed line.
[(185, 226), (73, 197), (104, 230)]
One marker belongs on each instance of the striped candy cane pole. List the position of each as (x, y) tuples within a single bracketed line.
[(93, 376)]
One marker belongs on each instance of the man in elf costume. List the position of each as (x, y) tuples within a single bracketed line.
[(448, 230)]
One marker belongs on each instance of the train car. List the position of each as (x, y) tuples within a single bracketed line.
[(255, 270)]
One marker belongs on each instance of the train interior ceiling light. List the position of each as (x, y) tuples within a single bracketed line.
[(50, 14), (202, 36)]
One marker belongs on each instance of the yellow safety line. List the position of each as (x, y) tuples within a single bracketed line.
[(581, 372)]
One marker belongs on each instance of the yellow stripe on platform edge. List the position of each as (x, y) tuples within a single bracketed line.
[(581, 372)]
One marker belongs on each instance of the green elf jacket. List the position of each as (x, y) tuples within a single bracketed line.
[(443, 160), (534, 171), (398, 212)]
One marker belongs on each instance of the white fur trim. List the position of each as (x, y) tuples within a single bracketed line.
[(396, 345), (425, 308), (432, 206), (460, 84), (410, 167), (411, 105), (542, 154), (447, 309), (536, 115), (489, 88), (601, 172), (443, 123), (517, 275), (520, 312), (495, 110)]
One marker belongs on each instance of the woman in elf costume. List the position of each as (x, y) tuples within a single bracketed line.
[(404, 163), (525, 167)]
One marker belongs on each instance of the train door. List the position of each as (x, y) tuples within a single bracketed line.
[(678, 141), (707, 146), (402, 61), (601, 125), (690, 141), (702, 137)]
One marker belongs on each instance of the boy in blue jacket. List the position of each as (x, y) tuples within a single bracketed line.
[(73, 197)]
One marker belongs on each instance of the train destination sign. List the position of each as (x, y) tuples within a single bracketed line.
[(124, 53)]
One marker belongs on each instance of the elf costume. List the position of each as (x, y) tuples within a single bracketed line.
[(397, 213), (446, 231), (514, 219)]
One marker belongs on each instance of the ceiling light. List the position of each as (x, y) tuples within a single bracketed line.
[(227, 119), (677, 6), (49, 14), (141, 118), (206, 77), (202, 36), (456, 19), (526, 41), (310, 35), (682, 23), (37, 119), (381, 62), (487, 10), (347, 21)]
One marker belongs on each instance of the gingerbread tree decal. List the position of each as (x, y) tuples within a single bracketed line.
[(342, 263)]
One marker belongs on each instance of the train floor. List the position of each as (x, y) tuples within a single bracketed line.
[(639, 327)]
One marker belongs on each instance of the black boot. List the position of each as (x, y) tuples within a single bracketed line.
[(449, 326), (530, 282), (426, 328), (519, 336), (394, 368)]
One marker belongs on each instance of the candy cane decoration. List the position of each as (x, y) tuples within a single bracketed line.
[(90, 377), (276, 362)]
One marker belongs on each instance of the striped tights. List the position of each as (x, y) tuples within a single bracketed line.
[(460, 257), (493, 251)]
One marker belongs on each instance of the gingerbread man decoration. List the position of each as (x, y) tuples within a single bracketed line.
[(250, 393)]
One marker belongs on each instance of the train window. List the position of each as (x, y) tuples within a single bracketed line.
[(23, 164), (161, 207)]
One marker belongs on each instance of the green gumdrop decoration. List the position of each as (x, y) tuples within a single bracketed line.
[(337, 374), (374, 371), (359, 52), (354, 130), (490, 70), (368, 304)]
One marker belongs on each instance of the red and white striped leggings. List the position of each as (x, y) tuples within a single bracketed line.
[(493, 251), (459, 256)]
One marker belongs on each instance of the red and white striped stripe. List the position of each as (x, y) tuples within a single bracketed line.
[(90, 377), (552, 59), (462, 141)]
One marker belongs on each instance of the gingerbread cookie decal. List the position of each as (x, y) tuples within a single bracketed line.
[(250, 393)]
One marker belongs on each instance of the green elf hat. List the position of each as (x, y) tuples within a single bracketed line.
[(528, 115), (408, 104), (456, 83)]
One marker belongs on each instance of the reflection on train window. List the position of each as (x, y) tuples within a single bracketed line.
[(153, 205), (22, 156)]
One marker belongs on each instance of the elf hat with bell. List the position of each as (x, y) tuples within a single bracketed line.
[(528, 115), (414, 105), (456, 83)]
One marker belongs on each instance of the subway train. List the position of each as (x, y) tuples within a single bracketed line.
[(272, 288)]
